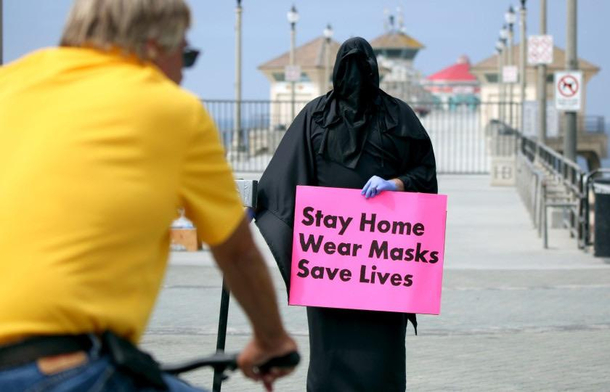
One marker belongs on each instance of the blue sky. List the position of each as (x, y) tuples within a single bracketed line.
[(448, 29)]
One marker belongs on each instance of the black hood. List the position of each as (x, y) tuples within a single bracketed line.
[(356, 75), (347, 111), (357, 107)]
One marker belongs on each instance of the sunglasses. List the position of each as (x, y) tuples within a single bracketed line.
[(189, 57)]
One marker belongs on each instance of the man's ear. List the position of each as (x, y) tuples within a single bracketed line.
[(151, 50)]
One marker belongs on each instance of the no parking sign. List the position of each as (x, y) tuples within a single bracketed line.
[(568, 90)]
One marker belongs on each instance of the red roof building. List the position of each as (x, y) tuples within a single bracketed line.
[(454, 83)]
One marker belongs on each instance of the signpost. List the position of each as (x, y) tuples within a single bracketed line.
[(568, 91)]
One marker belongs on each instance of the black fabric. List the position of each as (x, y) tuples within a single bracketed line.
[(291, 165), (32, 349), (329, 145), (357, 109), (354, 350)]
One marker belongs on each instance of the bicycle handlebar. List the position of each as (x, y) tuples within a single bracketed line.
[(286, 361), (223, 361)]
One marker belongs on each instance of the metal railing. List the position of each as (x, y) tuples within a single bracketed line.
[(251, 145), (594, 124), (584, 124), (529, 185), (547, 180), (464, 134)]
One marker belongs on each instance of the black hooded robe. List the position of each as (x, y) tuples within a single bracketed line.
[(329, 145)]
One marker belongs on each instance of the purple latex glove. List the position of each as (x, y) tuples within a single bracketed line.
[(375, 185)]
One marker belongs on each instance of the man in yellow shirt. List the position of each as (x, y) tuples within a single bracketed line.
[(98, 148)]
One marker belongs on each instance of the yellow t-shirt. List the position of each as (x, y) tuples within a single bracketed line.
[(97, 151)]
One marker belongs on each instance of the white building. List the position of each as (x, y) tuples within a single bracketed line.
[(592, 144), (395, 53), (487, 71), (316, 59)]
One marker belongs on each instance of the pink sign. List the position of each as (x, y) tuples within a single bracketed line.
[(384, 253)]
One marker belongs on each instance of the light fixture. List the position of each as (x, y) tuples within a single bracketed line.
[(293, 15), (328, 32), (510, 17), (504, 32)]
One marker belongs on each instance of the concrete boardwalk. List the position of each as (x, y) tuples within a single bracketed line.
[(514, 317)]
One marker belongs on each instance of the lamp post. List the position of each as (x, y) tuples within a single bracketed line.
[(522, 55), (510, 18), (504, 39), (328, 34), (237, 120), (293, 18), (499, 48)]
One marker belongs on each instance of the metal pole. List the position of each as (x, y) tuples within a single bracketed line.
[(569, 137), (221, 337), (503, 85), (500, 84), (522, 57), (293, 84), (541, 88), (237, 119), (510, 84), (327, 67)]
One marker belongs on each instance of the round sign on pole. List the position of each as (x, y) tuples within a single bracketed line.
[(568, 90), (568, 86)]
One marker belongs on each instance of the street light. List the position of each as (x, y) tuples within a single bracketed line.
[(500, 50), (541, 86), (522, 55), (510, 18), (293, 18), (499, 46), (504, 32), (504, 40), (237, 120), (328, 34)]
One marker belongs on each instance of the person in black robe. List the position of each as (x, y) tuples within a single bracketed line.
[(355, 136)]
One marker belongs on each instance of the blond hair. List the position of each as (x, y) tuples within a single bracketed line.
[(127, 24)]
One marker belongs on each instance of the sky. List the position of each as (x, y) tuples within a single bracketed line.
[(447, 28)]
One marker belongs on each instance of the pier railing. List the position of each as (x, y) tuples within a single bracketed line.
[(461, 132), (548, 181)]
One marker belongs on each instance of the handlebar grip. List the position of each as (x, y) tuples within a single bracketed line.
[(219, 361), (286, 361)]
